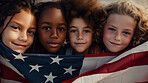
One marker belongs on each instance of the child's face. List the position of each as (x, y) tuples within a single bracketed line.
[(19, 33), (118, 32), (80, 35), (52, 29)]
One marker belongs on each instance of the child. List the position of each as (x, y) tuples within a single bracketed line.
[(17, 30), (17, 25), (124, 26), (81, 27), (52, 28)]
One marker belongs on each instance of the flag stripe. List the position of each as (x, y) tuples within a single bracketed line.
[(129, 75), (8, 81), (135, 59), (141, 48), (10, 72), (91, 63), (7, 64)]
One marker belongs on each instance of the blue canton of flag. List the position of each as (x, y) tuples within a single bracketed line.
[(46, 68)]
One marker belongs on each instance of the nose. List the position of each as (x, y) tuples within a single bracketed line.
[(23, 36), (54, 34), (117, 36), (80, 35)]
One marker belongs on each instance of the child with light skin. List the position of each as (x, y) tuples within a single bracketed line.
[(52, 28), (81, 28), (17, 30), (17, 25), (124, 26)]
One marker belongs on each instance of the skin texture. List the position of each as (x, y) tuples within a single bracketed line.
[(19, 33), (80, 35), (52, 29), (118, 32)]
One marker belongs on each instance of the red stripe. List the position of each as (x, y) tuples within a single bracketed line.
[(9, 74), (135, 59)]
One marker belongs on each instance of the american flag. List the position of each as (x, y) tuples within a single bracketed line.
[(93, 68)]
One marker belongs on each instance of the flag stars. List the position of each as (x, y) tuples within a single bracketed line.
[(56, 60), (36, 67), (50, 77), (69, 70), (19, 56)]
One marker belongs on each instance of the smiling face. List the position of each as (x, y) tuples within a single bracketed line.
[(118, 32), (80, 35), (52, 29), (19, 33)]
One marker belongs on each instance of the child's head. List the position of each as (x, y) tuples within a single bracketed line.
[(124, 26), (81, 24), (52, 26), (17, 24), (80, 35)]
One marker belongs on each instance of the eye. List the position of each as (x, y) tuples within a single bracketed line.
[(87, 31), (16, 28), (61, 29), (31, 32), (126, 33), (73, 31), (111, 29), (46, 28)]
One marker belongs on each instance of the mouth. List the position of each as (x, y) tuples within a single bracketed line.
[(115, 43), (20, 45), (53, 44), (80, 44)]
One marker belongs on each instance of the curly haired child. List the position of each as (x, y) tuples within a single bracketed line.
[(82, 26), (124, 25)]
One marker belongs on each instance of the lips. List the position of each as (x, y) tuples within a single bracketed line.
[(19, 45), (80, 44), (53, 44), (115, 43)]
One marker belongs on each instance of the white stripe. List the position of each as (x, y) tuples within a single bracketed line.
[(141, 48), (129, 75), (90, 63), (8, 81), (6, 63)]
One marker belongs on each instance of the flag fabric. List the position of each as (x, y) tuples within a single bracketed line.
[(46, 68), (129, 67)]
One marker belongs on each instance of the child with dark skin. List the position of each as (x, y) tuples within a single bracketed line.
[(52, 28)]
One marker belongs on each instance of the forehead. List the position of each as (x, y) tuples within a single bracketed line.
[(79, 23), (51, 12), (24, 18), (123, 21)]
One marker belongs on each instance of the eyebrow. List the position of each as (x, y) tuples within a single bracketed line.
[(62, 24), (16, 22), (46, 23), (72, 27), (116, 27)]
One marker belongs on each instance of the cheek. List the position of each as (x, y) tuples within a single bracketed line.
[(126, 41), (107, 35), (30, 39), (43, 35)]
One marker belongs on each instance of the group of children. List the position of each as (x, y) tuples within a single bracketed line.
[(85, 26)]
